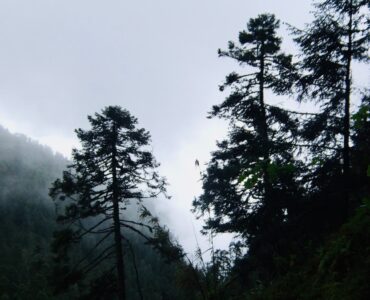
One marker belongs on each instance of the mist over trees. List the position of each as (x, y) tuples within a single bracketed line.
[(113, 169), (28, 269), (293, 187), (27, 214)]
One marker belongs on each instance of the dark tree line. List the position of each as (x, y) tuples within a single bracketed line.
[(283, 181)]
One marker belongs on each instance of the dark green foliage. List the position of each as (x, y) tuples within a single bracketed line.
[(114, 169), (247, 163), (338, 36), (340, 269), (286, 181), (252, 177)]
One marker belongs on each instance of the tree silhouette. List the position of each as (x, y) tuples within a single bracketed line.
[(249, 185), (113, 169), (338, 36)]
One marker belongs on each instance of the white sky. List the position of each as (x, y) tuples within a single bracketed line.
[(62, 60)]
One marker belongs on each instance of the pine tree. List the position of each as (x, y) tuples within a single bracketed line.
[(249, 186), (338, 36), (113, 169)]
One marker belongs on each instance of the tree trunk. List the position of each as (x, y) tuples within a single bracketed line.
[(263, 126), (116, 223), (346, 133)]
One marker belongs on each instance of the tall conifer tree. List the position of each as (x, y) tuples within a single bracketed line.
[(249, 185), (338, 36), (113, 168)]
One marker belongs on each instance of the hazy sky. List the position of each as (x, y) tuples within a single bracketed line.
[(61, 60)]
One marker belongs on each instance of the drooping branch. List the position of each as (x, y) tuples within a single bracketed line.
[(148, 239), (92, 250), (137, 223), (293, 111), (91, 229), (316, 146), (97, 260)]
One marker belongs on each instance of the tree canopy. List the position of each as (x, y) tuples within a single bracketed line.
[(113, 168)]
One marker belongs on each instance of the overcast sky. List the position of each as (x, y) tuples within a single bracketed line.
[(61, 60)]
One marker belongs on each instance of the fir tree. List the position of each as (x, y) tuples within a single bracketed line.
[(113, 168), (250, 186), (338, 36)]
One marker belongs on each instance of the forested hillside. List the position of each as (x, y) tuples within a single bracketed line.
[(28, 221), (27, 213)]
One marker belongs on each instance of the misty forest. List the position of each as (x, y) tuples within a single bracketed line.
[(290, 186)]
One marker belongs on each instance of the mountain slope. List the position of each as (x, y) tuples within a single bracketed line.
[(27, 216)]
